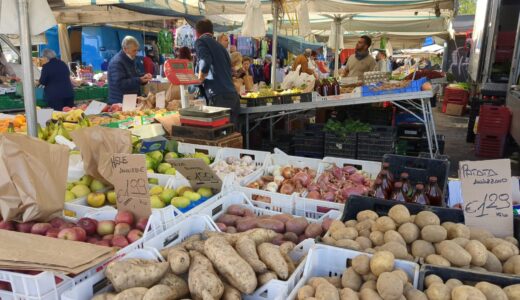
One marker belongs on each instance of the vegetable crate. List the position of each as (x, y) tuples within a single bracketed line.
[(187, 148), (340, 147), (373, 145), (490, 145), (370, 167), (414, 86), (260, 158), (494, 120), (308, 143), (324, 260)]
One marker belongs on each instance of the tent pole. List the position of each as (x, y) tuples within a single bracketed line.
[(337, 22), (275, 46), (27, 67)]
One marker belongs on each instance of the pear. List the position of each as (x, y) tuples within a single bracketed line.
[(153, 181), (170, 171), (69, 196), (111, 197), (163, 167), (86, 180), (156, 202), (180, 202), (182, 189), (96, 185), (205, 192), (80, 190), (192, 196), (167, 195), (171, 155), (155, 190)]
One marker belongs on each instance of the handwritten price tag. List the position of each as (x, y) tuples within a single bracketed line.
[(197, 173), (130, 181), (486, 190)]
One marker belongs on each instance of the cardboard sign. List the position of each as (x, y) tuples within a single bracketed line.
[(160, 101), (486, 190), (95, 108), (43, 115), (129, 102), (197, 173), (130, 181)]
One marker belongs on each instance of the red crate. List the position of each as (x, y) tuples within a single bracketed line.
[(494, 120), (490, 146), (503, 55), (456, 96), (506, 39)]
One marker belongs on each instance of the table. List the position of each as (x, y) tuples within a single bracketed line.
[(260, 113)]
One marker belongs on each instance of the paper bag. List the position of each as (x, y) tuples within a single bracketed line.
[(248, 82), (94, 141), (173, 93), (33, 178), (168, 121)]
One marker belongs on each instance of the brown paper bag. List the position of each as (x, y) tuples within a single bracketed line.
[(33, 178), (248, 82), (173, 93), (93, 141), (168, 121)]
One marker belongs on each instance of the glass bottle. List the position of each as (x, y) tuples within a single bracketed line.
[(434, 192), (317, 87), (377, 189), (325, 88), (335, 87), (407, 187), (398, 194), (387, 184), (386, 167), (420, 197)]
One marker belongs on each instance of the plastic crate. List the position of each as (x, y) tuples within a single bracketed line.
[(494, 120), (308, 143), (373, 145), (296, 98), (326, 261), (411, 130), (490, 146), (414, 86), (455, 96), (260, 158), (340, 147), (186, 148), (369, 167)]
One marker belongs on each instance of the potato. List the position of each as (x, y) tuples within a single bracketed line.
[(433, 233), (407, 287), (231, 265), (389, 286), (479, 234), (179, 260), (415, 294), (382, 261), (305, 292), (326, 292), (512, 265), (400, 214), (246, 224), (231, 229), (246, 248), (369, 277), (313, 230), (326, 223), (159, 292), (366, 214), (345, 233), (135, 293), (454, 253), (361, 264), (369, 294), (459, 230), (512, 240), (461, 241), (273, 258), (231, 293), (366, 224), (351, 279), (402, 275), (221, 226), (398, 249), (364, 242), (275, 225), (478, 252), (228, 220), (282, 217), (490, 243), (453, 283), (437, 260), (447, 225), (236, 210), (134, 272), (178, 285), (430, 279), (351, 223), (315, 281), (369, 284), (104, 296), (335, 225), (365, 233), (266, 277), (203, 281), (409, 232), (393, 236), (438, 291), (491, 291), (466, 292), (503, 251), (492, 263), (297, 225), (426, 218), (290, 236), (422, 248), (348, 244), (377, 238), (513, 292), (480, 269), (370, 250), (384, 224), (348, 294), (326, 240), (335, 281)]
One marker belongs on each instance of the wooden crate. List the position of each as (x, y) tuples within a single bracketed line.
[(233, 140)]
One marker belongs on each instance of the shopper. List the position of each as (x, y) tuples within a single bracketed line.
[(382, 62), (303, 61), (223, 39), (361, 61), (267, 69), (55, 77), (214, 70), (123, 77), (149, 64)]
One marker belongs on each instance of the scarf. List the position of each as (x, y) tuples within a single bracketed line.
[(361, 55)]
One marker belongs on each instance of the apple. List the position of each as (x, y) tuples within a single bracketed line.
[(68, 234), (66, 225), (80, 233), (89, 225), (141, 224), (105, 243), (107, 237), (105, 227), (111, 197), (122, 229), (57, 222), (66, 109), (7, 225), (119, 241), (124, 217), (52, 232), (134, 235), (40, 228), (24, 227), (96, 185), (93, 239)]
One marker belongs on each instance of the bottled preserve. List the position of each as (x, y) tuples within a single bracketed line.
[(419, 196), (398, 194), (407, 187), (386, 167), (335, 87), (386, 184), (434, 192), (378, 190)]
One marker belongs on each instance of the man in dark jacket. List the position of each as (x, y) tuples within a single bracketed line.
[(122, 73), (214, 70), (55, 77)]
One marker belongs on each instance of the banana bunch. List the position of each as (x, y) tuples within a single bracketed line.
[(72, 116), (52, 130)]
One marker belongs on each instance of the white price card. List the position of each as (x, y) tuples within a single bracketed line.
[(160, 100), (486, 189), (95, 108), (129, 102), (43, 115)]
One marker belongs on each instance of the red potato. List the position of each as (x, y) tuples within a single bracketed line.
[(231, 229), (278, 239), (282, 217), (245, 224), (236, 210), (221, 226), (301, 238), (229, 220), (274, 225), (313, 230), (326, 224), (297, 225), (290, 236)]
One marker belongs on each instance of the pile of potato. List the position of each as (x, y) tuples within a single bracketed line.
[(454, 289), (211, 265), (423, 237), (367, 279)]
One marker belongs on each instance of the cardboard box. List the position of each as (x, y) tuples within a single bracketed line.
[(455, 109)]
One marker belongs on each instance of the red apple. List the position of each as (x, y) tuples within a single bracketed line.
[(57, 222), (108, 237), (134, 235), (40, 228), (66, 225), (89, 225), (122, 229), (81, 234), (105, 243), (106, 108), (105, 227), (93, 239), (141, 224), (7, 225), (52, 232), (24, 227), (68, 234), (119, 241), (67, 108), (124, 217)]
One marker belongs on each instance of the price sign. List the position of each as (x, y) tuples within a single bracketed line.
[(486, 190), (197, 173), (95, 107), (160, 100), (129, 102), (129, 176)]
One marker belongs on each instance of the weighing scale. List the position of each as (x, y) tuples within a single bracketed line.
[(180, 72)]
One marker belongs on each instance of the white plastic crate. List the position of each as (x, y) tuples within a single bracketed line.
[(316, 209), (372, 168), (324, 260), (186, 148), (260, 159), (270, 201), (97, 282)]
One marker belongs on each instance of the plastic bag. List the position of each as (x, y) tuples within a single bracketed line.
[(289, 80), (253, 25)]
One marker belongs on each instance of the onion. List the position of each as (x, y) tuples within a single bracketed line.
[(287, 188), (349, 191), (311, 172), (314, 195), (253, 185), (337, 172), (313, 187), (349, 170), (303, 178), (272, 187), (278, 179), (267, 178), (287, 172), (357, 178), (329, 196)]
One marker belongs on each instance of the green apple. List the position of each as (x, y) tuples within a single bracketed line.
[(111, 197), (205, 192), (156, 202), (135, 139), (182, 189), (86, 180), (171, 155), (163, 167), (180, 202), (155, 190), (150, 162), (70, 185), (150, 171), (153, 181), (156, 155), (69, 196), (167, 195), (96, 185), (170, 171), (192, 196), (80, 190)]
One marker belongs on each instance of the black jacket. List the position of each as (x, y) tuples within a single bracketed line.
[(122, 78)]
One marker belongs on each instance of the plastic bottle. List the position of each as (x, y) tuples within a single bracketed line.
[(434, 192), (377, 189), (407, 187), (398, 194), (420, 197), (386, 184)]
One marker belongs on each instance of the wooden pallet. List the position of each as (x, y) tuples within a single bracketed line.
[(234, 140), (202, 133)]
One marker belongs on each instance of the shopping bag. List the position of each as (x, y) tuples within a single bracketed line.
[(288, 81), (173, 93)]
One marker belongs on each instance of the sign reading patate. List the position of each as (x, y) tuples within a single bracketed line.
[(486, 190), (130, 181)]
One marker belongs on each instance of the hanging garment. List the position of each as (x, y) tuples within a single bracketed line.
[(253, 25), (185, 36), (304, 24), (264, 48), (165, 41)]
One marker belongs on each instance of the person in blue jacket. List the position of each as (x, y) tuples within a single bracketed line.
[(55, 77), (123, 77)]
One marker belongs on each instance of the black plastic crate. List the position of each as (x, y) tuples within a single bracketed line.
[(340, 147), (468, 277), (307, 153), (414, 146), (382, 116), (411, 130), (378, 135), (296, 98)]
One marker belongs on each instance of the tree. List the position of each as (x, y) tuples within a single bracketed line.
[(467, 7)]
